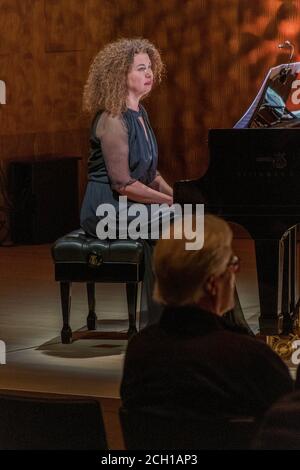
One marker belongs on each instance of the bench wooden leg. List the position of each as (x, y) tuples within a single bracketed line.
[(66, 332), (131, 291), (92, 317)]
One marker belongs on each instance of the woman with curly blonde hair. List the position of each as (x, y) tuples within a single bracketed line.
[(123, 149), (123, 154), (106, 87)]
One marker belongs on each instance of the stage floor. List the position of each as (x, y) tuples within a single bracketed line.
[(30, 323)]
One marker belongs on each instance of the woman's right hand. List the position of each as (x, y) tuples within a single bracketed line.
[(139, 192)]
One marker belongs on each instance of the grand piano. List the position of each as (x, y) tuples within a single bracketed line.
[(253, 179)]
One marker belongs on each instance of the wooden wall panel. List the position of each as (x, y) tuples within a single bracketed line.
[(16, 32), (61, 85), (196, 38), (100, 23), (20, 72), (217, 53), (64, 23)]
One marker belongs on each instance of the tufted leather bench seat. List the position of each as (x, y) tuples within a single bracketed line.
[(81, 258)]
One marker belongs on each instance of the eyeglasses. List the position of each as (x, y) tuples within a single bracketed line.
[(234, 264)]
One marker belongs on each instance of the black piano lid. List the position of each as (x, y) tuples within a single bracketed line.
[(255, 166)]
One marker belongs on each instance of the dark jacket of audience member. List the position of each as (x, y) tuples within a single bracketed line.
[(192, 360), (280, 429)]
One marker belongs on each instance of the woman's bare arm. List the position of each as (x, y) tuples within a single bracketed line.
[(160, 184), (139, 192), (114, 143)]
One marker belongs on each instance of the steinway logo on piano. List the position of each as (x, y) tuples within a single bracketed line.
[(278, 160), (268, 166)]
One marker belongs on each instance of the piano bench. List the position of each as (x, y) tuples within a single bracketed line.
[(81, 258)]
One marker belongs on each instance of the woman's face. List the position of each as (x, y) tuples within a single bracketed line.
[(140, 76)]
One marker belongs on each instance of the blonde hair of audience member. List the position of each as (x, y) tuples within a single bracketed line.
[(201, 278)]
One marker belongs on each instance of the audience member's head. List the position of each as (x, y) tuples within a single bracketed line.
[(204, 277)]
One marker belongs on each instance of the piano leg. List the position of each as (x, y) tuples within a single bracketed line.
[(290, 302), (288, 282), (294, 300), (293, 270), (236, 315), (267, 262)]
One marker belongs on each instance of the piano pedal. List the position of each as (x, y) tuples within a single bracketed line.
[(282, 345), (296, 318)]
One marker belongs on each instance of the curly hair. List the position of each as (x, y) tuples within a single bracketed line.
[(106, 86)]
